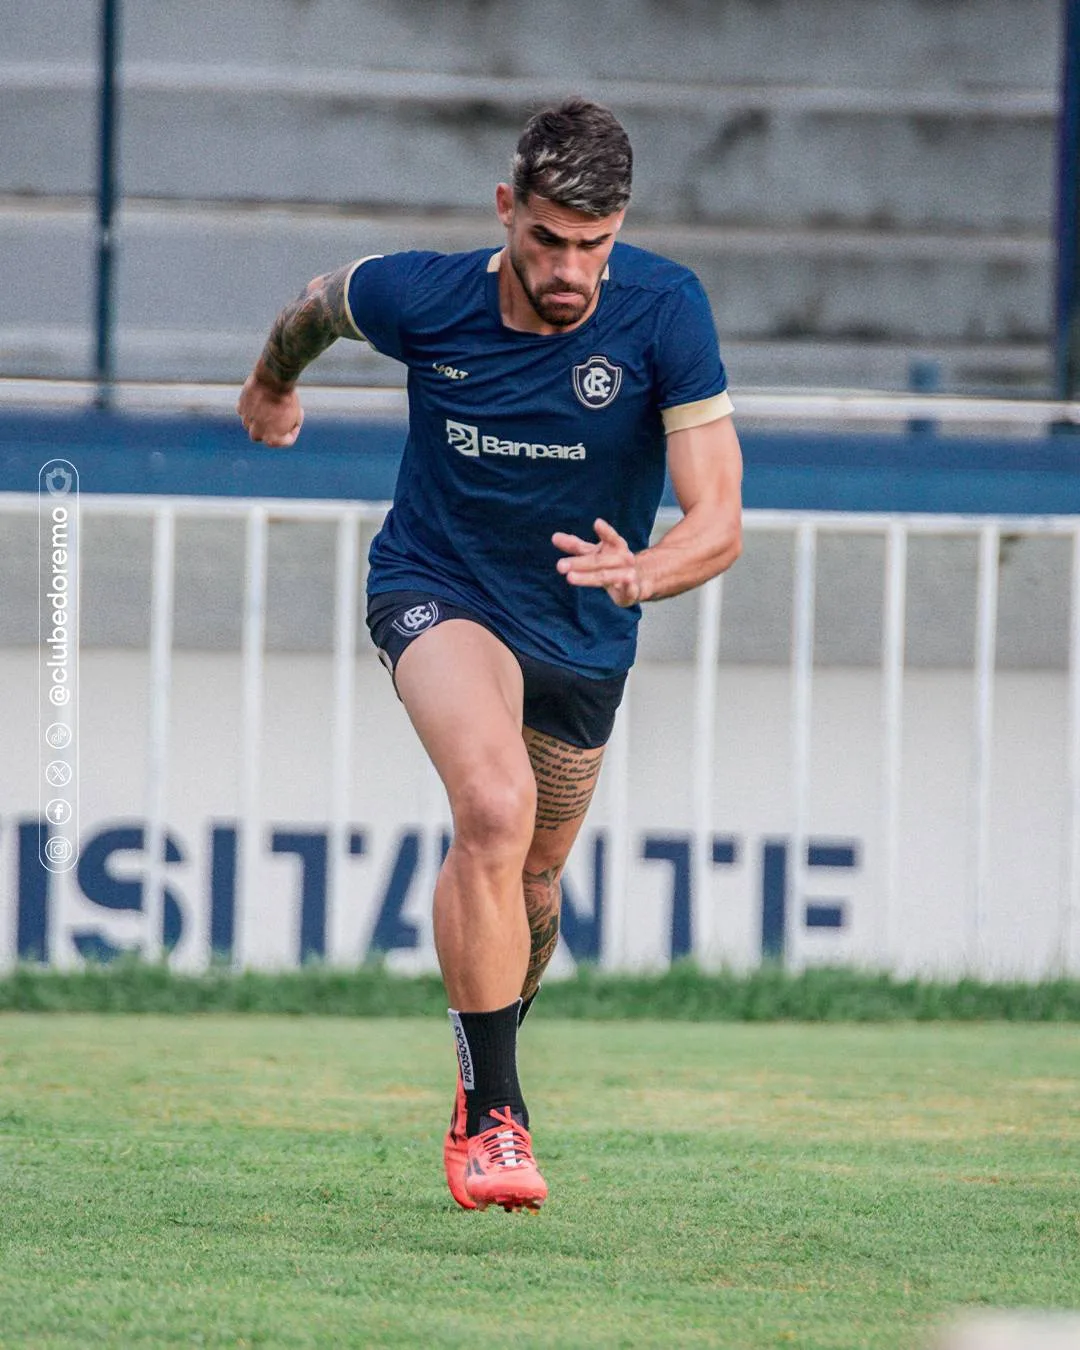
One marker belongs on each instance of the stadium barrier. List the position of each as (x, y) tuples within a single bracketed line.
[(794, 779)]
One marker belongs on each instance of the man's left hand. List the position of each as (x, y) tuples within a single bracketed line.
[(608, 563)]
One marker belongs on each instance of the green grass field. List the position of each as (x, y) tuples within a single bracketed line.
[(273, 1181)]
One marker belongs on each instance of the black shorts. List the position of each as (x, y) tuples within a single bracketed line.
[(559, 702)]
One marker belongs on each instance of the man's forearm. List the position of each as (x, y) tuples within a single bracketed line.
[(691, 552), (305, 328)]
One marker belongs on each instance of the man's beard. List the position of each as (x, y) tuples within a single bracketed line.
[(555, 312)]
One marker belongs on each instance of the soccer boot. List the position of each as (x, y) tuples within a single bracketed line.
[(456, 1151), (501, 1169)]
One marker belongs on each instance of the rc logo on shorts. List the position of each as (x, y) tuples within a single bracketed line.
[(597, 382), (416, 618)]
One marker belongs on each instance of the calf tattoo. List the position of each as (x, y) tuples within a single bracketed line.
[(305, 328), (542, 897), (565, 778)]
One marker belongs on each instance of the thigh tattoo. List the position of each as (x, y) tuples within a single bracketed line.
[(565, 778)]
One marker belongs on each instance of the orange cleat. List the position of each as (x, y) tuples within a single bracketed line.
[(456, 1151), (501, 1169)]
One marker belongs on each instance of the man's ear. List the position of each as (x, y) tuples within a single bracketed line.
[(504, 203)]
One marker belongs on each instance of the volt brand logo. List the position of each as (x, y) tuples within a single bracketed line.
[(597, 382), (451, 372), (469, 440), (464, 1054), (416, 619)]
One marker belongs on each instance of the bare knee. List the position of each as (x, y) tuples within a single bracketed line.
[(494, 813)]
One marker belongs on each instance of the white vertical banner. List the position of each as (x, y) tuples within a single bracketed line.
[(616, 773), (157, 740), (982, 744), (704, 917), (1069, 927), (802, 675), (892, 736), (346, 595), (253, 654)]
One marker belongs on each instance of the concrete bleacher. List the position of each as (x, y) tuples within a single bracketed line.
[(857, 184)]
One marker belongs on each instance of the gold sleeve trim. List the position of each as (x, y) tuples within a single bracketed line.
[(348, 282), (697, 414)]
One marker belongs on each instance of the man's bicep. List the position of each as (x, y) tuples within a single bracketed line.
[(353, 297), (705, 463), (376, 296), (326, 305)]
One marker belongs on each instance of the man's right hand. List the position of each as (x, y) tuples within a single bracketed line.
[(270, 413)]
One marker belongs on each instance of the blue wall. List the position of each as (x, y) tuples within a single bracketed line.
[(131, 453)]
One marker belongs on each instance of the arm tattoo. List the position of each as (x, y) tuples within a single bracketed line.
[(305, 328), (565, 778)]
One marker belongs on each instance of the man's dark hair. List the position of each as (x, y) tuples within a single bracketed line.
[(576, 155)]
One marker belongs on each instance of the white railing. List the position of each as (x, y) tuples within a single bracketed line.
[(806, 527), (797, 407)]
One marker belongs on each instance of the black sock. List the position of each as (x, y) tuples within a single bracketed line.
[(526, 1004), (487, 1053)]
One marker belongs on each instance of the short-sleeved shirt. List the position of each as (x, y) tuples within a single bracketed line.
[(515, 435)]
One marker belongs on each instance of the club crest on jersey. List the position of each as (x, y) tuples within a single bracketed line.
[(597, 382), (416, 618)]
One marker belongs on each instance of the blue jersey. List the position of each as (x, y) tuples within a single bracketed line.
[(514, 435)]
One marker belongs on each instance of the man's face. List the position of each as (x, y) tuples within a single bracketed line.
[(558, 255)]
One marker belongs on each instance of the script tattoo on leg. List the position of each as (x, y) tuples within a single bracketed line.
[(565, 779)]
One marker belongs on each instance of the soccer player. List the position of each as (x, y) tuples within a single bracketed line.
[(550, 381)]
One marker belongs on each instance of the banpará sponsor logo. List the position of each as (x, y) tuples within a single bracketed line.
[(469, 440)]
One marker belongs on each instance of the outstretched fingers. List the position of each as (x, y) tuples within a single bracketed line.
[(607, 563), (608, 534), (570, 543)]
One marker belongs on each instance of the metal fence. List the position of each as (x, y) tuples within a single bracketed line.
[(806, 528)]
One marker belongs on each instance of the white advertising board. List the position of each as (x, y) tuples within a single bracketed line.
[(311, 878)]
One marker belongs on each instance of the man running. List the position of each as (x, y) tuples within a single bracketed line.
[(550, 382)]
